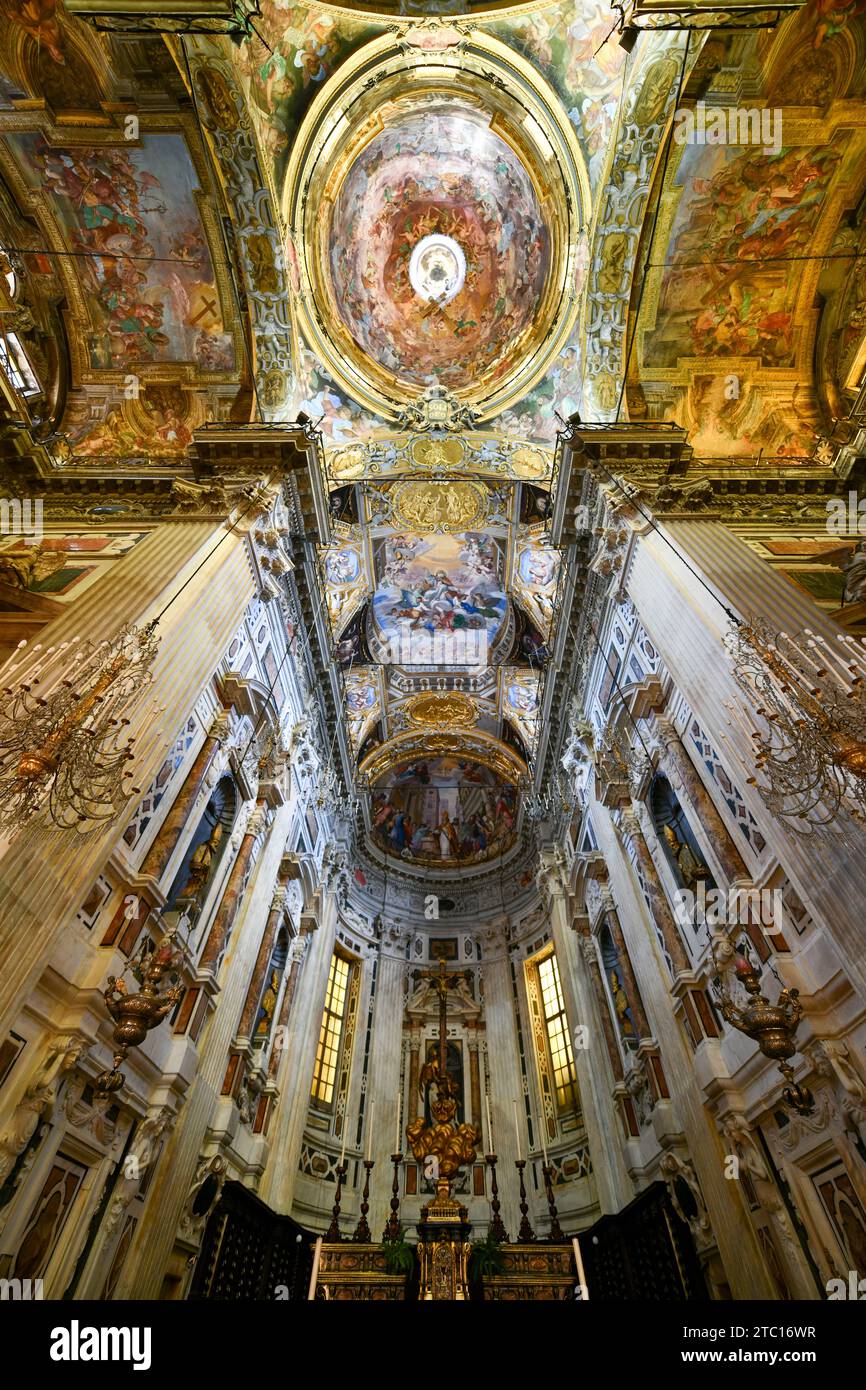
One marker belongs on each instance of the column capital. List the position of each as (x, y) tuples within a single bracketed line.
[(587, 946), (280, 898), (257, 821), (629, 824), (220, 726), (608, 901)]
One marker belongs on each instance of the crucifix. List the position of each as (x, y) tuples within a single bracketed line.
[(443, 1148), (441, 982)]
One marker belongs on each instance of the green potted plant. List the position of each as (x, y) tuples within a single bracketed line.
[(399, 1254), (485, 1260)]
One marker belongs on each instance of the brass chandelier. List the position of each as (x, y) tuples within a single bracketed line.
[(65, 754), (810, 696)]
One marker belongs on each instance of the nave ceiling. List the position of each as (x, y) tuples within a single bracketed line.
[(270, 237)]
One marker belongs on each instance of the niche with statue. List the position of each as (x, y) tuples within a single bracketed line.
[(681, 848), (264, 1022), (614, 976), (204, 853)]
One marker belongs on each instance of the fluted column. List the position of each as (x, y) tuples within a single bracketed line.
[(686, 1113), (230, 900), (383, 1081), (157, 857), (609, 1187), (686, 625), (299, 950), (658, 903), (593, 969), (295, 1074), (629, 982), (505, 1083), (155, 1236), (683, 773)]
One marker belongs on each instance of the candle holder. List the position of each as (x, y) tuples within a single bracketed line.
[(362, 1230), (392, 1225), (556, 1232), (333, 1231), (497, 1229), (526, 1233)]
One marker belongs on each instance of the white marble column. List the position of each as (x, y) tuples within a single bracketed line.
[(295, 1075), (603, 1127), (687, 625), (383, 1080), (685, 1116), (145, 1266), (505, 1084)]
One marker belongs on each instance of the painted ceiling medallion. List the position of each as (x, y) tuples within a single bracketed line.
[(428, 185), (435, 218)]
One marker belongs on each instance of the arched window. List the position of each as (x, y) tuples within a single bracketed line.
[(558, 1037), (337, 1015), (15, 364)]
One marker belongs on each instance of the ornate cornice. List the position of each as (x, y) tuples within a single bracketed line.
[(649, 467)]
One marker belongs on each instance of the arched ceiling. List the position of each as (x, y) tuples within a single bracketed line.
[(273, 235)]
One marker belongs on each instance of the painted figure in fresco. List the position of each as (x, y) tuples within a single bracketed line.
[(855, 575), (753, 207), (149, 279), (447, 808), (38, 18), (462, 593), (449, 844)]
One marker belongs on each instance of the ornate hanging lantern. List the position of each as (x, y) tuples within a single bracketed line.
[(135, 1014), (66, 753), (772, 1026)]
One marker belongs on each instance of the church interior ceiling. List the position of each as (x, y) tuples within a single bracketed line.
[(351, 218)]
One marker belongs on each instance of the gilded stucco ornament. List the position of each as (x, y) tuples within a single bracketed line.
[(429, 506), (441, 711)]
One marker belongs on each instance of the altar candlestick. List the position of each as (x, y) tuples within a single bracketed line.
[(490, 1148), (542, 1125), (517, 1132), (314, 1277), (396, 1148), (370, 1130), (581, 1276), (343, 1149)]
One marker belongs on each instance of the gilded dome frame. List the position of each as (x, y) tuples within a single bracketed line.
[(472, 68)]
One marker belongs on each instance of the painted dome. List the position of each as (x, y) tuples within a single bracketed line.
[(438, 248)]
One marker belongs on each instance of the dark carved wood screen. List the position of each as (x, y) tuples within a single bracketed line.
[(644, 1252), (249, 1252)]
